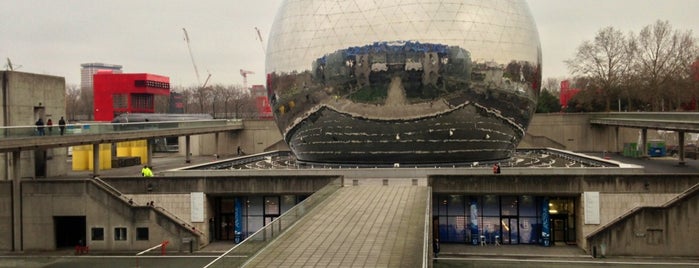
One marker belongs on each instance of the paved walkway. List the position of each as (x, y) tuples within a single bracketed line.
[(360, 226)]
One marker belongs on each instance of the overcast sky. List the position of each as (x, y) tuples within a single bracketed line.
[(55, 36)]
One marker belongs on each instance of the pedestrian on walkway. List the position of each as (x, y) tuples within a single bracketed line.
[(40, 127), (435, 247), (62, 125), (49, 125)]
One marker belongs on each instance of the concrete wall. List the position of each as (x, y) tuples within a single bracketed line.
[(563, 131), (228, 184), (179, 205), (668, 231), (5, 215), (257, 136), (43, 200), (574, 133), (23, 94)]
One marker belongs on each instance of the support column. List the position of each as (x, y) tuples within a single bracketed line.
[(680, 139), (616, 140), (216, 144), (95, 159), (187, 151), (149, 152), (15, 175), (644, 141)]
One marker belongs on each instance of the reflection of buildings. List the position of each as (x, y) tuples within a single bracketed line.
[(567, 93), (176, 103), (128, 93), (259, 93), (363, 73)]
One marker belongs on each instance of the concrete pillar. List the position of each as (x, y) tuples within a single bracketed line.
[(187, 150), (149, 152), (95, 159), (616, 140), (15, 174), (644, 141), (216, 145), (680, 140)]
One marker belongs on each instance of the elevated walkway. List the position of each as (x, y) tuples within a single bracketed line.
[(359, 226)]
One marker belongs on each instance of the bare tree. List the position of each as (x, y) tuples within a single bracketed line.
[(663, 64), (604, 61), (228, 97), (72, 101), (219, 94), (202, 96), (552, 85), (187, 100)]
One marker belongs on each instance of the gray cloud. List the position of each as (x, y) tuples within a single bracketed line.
[(55, 37)]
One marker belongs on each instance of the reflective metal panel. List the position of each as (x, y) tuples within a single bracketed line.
[(403, 81)]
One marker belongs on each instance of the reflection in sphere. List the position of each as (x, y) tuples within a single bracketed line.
[(403, 81)]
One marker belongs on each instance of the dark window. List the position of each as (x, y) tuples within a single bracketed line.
[(120, 234), (152, 84), (120, 101), (97, 234), (142, 233)]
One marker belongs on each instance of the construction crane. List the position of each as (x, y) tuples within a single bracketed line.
[(191, 56), (10, 67), (262, 43), (245, 74)]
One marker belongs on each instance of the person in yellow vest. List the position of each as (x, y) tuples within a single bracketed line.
[(146, 171)]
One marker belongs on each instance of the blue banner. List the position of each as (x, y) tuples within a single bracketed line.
[(238, 219), (474, 222), (545, 222)]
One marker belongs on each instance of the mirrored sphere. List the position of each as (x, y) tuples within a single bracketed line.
[(403, 81)]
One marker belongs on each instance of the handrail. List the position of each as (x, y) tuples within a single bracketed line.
[(161, 245), (182, 222), (426, 231), (632, 211), (107, 185), (116, 193), (24, 132)]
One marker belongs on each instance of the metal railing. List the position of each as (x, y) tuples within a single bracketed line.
[(246, 250), (16, 132)]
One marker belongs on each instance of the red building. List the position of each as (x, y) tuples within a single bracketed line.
[(566, 93), (115, 94)]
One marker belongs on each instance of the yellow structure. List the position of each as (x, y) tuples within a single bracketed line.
[(82, 155)]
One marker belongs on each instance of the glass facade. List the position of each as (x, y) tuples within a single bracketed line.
[(237, 217), (507, 219)]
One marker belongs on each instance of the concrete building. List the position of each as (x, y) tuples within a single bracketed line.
[(87, 71), (25, 98)]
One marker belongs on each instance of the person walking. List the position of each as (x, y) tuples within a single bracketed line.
[(435, 248), (49, 125), (40, 127), (146, 171), (62, 125)]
